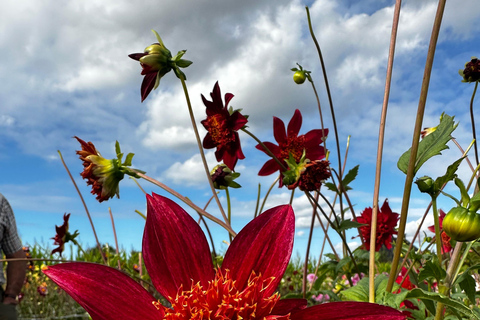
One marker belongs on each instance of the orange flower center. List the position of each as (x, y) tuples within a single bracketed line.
[(219, 130), (222, 300), (294, 146)]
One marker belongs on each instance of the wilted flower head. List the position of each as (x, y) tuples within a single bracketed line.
[(386, 223), (222, 177), (222, 124), (157, 61), (178, 260), (471, 73), (291, 145), (42, 289), (63, 236), (103, 175)]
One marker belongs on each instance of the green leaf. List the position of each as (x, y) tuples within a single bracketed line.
[(468, 285), (431, 145), (348, 224), (331, 187), (432, 270), (182, 63), (463, 191), (474, 202), (448, 176), (128, 160), (349, 177), (117, 148), (454, 304)]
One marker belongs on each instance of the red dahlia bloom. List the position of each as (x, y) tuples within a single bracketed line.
[(446, 246), (289, 142), (386, 223), (222, 125), (177, 257)]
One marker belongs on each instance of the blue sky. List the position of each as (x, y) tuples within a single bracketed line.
[(65, 72)]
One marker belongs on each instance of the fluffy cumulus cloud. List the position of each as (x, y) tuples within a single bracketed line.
[(67, 73)]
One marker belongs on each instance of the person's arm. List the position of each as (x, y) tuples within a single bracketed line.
[(16, 271)]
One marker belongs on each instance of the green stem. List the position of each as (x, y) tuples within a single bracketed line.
[(321, 116), (268, 193), (229, 211), (258, 200), (438, 236), (415, 141), (115, 237), (473, 122), (451, 271), (200, 148)]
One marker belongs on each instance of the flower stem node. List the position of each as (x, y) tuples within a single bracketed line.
[(426, 185)]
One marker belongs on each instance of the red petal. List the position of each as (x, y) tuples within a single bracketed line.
[(228, 97), (279, 130), (348, 310), (314, 137), (105, 293), (264, 245), (175, 249), (147, 84), (271, 166), (295, 124), (286, 306)]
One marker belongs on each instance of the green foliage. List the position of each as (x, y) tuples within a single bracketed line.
[(431, 145)]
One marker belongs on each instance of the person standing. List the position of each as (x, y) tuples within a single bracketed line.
[(11, 246)]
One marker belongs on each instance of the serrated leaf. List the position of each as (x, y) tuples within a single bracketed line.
[(350, 176), (432, 270), (431, 145), (448, 176), (468, 285), (454, 304), (348, 224), (331, 187)]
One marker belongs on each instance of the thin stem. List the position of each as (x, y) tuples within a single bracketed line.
[(415, 141), (321, 116), (258, 200), (85, 206), (200, 148), (307, 253), (229, 211), (268, 193), (187, 202), (381, 139), (138, 184), (473, 121), (116, 240)]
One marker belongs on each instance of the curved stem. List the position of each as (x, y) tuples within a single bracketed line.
[(321, 116), (258, 200), (187, 202), (415, 141), (473, 122), (85, 206), (200, 148), (115, 237), (268, 193)]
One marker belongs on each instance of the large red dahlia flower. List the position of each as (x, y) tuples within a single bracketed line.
[(177, 257)]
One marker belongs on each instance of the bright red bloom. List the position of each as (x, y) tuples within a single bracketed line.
[(446, 246), (177, 257), (222, 125), (386, 223), (60, 237), (290, 143)]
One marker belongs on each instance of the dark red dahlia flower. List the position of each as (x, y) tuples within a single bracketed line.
[(290, 143), (222, 125), (178, 260), (60, 237), (446, 246), (386, 223)]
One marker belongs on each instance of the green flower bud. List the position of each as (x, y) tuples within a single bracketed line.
[(426, 184), (461, 224), (299, 77)]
